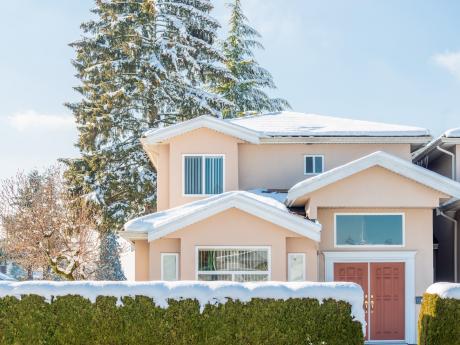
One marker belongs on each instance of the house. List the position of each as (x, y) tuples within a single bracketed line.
[(442, 155), (292, 197)]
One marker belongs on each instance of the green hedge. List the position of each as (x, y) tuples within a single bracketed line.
[(72, 320), (439, 321)]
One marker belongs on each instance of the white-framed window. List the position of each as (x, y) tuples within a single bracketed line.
[(203, 174), (369, 229), (296, 267), (169, 266), (313, 164), (240, 264)]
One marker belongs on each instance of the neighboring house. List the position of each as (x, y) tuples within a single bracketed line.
[(292, 197), (442, 155)]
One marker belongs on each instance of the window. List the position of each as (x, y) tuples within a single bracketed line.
[(233, 264), (313, 164), (296, 267), (369, 229), (203, 174), (169, 266)]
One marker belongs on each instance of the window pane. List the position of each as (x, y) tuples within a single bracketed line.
[(296, 268), (309, 165), (169, 267), (232, 260), (193, 175), (369, 229), (214, 175), (318, 164)]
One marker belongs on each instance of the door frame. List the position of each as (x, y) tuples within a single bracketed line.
[(408, 257)]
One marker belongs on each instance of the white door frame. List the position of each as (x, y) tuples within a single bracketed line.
[(408, 257)]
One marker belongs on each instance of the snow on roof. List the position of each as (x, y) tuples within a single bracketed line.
[(204, 292), (382, 159), (160, 224), (445, 290), (299, 124), (452, 133)]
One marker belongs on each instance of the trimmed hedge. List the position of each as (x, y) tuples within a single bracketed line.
[(439, 321), (73, 320)]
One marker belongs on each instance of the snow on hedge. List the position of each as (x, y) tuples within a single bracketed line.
[(204, 292), (445, 290)]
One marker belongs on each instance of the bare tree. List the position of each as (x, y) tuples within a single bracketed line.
[(45, 227)]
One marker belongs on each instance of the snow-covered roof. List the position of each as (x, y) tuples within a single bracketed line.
[(445, 290), (160, 224), (300, 124), (205, 293), (449, 138), (452, 133), (384, 160)]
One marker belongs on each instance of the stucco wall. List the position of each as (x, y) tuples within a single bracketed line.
[(141, 260), (234, 228), (281, 166)]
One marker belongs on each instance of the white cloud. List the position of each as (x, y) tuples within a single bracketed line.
[(31, 120), (450, 61)]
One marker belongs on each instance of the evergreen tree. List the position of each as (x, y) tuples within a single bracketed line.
[(109, 267), (246, 89)]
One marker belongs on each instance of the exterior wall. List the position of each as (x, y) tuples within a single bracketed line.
[(442, 164), (280, 166), (234, 228), (457, 155), (444, 233), (163, 178), (141, 260)]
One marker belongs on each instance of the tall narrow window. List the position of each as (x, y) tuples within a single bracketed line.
[(203, 174), (314, 164), (169, 266), (296, 267)]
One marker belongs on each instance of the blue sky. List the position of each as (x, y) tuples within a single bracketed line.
[(391, 61)]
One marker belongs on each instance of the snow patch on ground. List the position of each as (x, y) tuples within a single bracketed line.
[(445, 290), (204, 292)]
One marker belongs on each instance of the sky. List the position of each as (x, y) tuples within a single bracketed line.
[(390, 61)]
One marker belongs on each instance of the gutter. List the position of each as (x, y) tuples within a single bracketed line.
[(452, 156), (453, 220)]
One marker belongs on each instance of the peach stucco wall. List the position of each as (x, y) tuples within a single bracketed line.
[(141, 260), (281, 166), (233, 228), (374, 187)]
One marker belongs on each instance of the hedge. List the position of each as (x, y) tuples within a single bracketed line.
[(72, 320), (439, 321)]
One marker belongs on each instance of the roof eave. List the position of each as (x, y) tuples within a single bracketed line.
[(266, 139)]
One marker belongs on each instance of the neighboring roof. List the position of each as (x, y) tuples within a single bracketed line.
[(266, 127), (160, 224), (452, 133), (158, 135), (384, 160), (299, 124), (449, 137)]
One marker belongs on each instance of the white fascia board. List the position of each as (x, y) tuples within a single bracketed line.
[(205, 121), (269, 213), (134, 235), (384, 160)]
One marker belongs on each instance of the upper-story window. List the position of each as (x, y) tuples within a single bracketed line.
[(203, 174), (369, 230), (313, 164)]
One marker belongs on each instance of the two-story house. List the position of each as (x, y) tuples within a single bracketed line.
[(442, 155), (293, 197)]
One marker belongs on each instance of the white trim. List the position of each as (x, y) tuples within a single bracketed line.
[(203, 172), (314, 164), (384, 160), (304, 263), (160, 135), (176, 255), (373, 246), (345, 140), (408, 257), (269, 259)]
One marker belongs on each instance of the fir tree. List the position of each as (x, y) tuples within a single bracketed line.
[(246, 89), (109, 267)]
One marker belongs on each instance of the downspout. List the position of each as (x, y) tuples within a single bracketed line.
[(452, 156), (453, 220)]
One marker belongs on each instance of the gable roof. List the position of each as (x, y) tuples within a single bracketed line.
[(381, 159), (160, 224), (158, 135)]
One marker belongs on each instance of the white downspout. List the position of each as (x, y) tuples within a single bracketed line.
[(441, 213), (452, 156)]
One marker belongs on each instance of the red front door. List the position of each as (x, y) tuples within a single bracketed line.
[(383, 285)]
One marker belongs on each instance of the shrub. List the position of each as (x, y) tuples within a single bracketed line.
[(73, 320), (439, 321)]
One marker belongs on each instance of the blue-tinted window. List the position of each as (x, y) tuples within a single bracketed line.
[(203, 175), (361, 230), (314, 164)]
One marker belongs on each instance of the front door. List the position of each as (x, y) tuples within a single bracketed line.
[(383, 285)]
